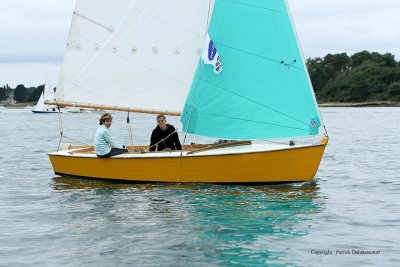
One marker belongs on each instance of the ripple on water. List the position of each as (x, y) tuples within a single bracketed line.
[(59, 221)]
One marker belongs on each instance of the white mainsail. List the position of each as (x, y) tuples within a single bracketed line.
[(139, 54), (40, 106)]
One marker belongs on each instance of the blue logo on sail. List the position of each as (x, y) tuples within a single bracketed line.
[(210, 55), (212, 51)]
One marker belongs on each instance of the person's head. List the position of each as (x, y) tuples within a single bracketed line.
[(106, 119), (162, 121)]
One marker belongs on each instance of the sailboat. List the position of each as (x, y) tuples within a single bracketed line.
[(231, 70), (41, 107)]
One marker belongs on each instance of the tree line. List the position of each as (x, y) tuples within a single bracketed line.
[(362, 77), (21, 93)]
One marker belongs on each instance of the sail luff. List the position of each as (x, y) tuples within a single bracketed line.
[(305, 66)]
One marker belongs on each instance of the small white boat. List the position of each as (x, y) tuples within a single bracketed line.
[(43, 108)]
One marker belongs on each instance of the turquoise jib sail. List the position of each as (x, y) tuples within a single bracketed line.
[(263, 91)]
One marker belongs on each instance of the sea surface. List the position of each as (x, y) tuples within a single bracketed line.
[(349, 215)]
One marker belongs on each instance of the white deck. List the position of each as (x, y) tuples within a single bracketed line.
[(240, 149)]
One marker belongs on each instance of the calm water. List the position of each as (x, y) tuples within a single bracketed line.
[(353, 204)]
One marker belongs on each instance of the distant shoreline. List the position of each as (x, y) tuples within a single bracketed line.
[(361, 104)]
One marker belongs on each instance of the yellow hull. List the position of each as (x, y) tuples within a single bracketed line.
[(295, 164)]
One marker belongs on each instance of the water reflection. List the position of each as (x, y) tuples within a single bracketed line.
[(249, 224), (67, 183), (221, 224)]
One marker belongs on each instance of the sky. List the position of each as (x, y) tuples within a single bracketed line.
[(33, 33)]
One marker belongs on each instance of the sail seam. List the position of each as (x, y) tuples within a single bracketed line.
[(290, 65), (255, 102), (89, 92), (260, 122), (93, 21)]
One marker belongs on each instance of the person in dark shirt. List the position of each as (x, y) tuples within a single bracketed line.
[(164, 136)]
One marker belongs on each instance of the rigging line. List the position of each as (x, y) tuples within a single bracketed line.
[(263, 57), (93, 21), (255, 102), (90, 92), (254, 6), (259, 122), (163, 139), (66, 137), (200, 66), (128, 121), (109, 39), (60, 125)]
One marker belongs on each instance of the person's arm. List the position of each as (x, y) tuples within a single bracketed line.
[(178, 145), (175, 139), (108, 137), (153, 140)]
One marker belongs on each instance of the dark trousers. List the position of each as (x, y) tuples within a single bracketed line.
[(114, 151)]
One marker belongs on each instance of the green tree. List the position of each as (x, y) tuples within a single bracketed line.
[(3, 94), (20, 93), (35, 93), (394, 91), (324, 70), (387, 59), (364, 76)]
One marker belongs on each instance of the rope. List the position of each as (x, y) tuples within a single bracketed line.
[(72, 139), (129, 129), (62, 136), (162, 140), (60, 125)]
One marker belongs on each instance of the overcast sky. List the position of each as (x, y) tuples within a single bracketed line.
[(33, 33)]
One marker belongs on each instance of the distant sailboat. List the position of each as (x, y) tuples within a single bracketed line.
[(78, 110), (136, 53), (41, 107)]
